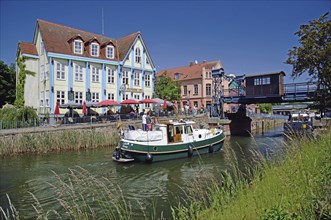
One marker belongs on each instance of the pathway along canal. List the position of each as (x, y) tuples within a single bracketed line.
[(155, 187)]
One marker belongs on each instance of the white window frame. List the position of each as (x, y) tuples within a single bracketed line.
[(78, 46), (47, 98), (196, 89), (41, 104), (78, 97), (185, 90), (111, 96), (125, 77), (110, 52), (136, 79), (95, 74), (61, 97), (147, 105), (60, 71), (110, 76), (148, 80), (95, 96), (94, 50), (125, 97), (208, 89), (136, 96), (137, 55), (78, 73)]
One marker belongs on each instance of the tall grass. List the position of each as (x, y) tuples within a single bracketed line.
[(40, 143), (295, 187)]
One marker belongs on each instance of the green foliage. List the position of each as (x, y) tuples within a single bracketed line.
[(7, 83), (166, 88), (21, 117), (313, 56), (19, 102), (278, 213), (265, 107)]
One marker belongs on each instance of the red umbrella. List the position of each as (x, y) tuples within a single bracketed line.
[(84, 108), (57, 109), (150, 101), (165, 104), (129, 102), (107, 102)]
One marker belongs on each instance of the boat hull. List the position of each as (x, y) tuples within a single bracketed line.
[(153, 153)]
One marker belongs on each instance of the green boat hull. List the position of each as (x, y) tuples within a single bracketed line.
[(154, 153)]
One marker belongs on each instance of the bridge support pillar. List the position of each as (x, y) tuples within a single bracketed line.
[(240, 123)]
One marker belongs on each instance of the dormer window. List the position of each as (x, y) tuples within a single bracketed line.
[(110, 52), (78, 46), (137, 55), (95, 49)]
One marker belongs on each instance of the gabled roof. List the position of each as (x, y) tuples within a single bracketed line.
[(57, 37), (27, 48), (193, 71)]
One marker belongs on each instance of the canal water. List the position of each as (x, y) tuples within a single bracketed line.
[(151, 189)]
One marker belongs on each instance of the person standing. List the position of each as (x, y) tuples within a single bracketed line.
[(149, 122), (144, 123)]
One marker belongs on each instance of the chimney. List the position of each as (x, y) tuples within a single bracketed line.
[(191, 63)]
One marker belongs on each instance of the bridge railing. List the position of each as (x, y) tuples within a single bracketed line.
[(300, 88)]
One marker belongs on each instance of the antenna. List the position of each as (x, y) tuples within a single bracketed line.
[(103, 28)]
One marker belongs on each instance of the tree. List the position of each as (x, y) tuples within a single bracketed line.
[(7, 83), (166, 88), (314, 57), (265, 107), (19, 102)]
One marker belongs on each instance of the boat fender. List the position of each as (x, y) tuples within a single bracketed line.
[(211, 148), (118, 154), (149, 158), (190, 151)]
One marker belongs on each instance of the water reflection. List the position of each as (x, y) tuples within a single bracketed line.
[(143, 185)]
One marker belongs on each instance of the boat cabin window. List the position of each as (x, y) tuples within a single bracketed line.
[(188, 129), (179, 129)]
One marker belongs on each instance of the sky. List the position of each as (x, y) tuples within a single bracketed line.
[(248, 37)]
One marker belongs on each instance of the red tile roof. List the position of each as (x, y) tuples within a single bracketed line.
[(27, 48), (193, 71), (58, 38)]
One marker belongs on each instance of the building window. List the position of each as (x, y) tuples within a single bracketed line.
[(136, 97), (196, 89), (42, 48), (78, 73), (136, 79), (147, 105), (125, 78), (110, 75), (95, 97), (137, 55), (111, 96), (177, 76), (95, 74), (94, 49), (147, 80), (41, 99), (60, 97), (266, 80), (79, 97), (185, 90), (78, 47), (46, 71), (110, 52), (125, 97), (42, 73), (47, 98), (60, 73), (208, 89)]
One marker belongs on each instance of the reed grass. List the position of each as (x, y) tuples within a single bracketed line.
[(41, 143), (297, 186)]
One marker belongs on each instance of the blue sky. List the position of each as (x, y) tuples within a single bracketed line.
[(248, 37)]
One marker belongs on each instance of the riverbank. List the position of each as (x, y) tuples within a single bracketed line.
[(297, 186), (42, 140)]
